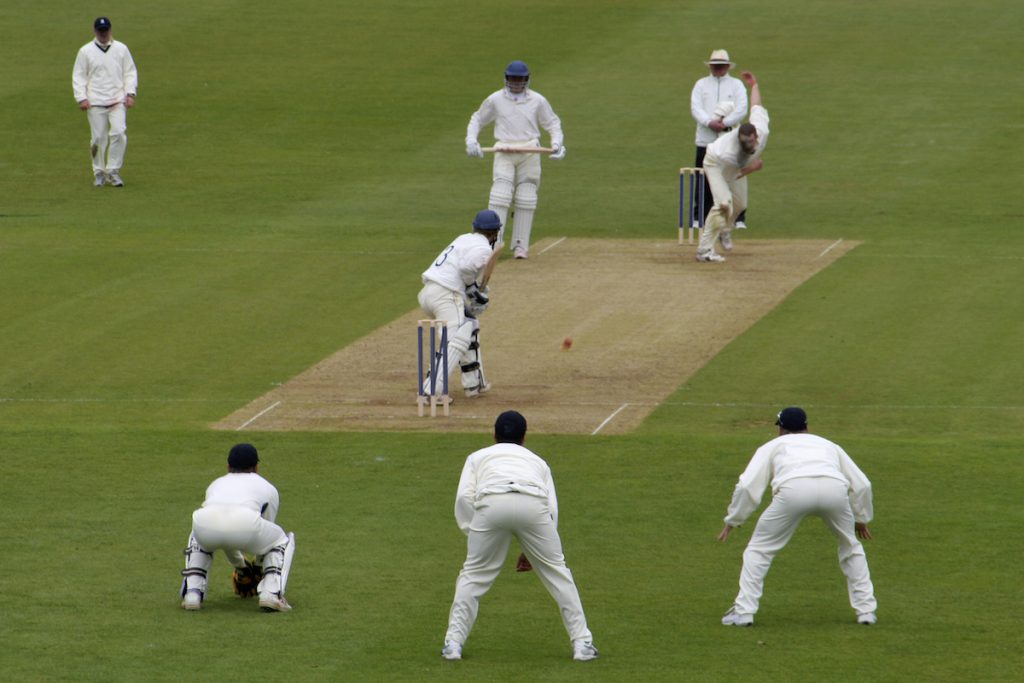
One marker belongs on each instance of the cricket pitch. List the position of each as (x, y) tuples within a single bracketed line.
[(642, 314)]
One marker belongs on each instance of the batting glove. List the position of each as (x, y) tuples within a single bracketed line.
[(559, 153), (473, 149)]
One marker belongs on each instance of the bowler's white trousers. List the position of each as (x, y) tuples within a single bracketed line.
[(497, 519), (823, 497), (109, 137), (730, 198)]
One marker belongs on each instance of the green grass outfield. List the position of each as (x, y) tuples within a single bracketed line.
[(291, 169)]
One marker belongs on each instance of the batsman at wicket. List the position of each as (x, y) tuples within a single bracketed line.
[(455, 291)]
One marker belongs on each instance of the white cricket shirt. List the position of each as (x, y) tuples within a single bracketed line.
[(104, 77), (726, 150), (792, 456), (516, 119), (706, 94), (247, 489), (461, 262), (503, 468)]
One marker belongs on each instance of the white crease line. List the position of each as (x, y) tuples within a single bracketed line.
[(551, 246), (830, 247), (609, 419), (258, 415)]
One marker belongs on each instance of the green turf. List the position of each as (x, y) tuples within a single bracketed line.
[(291, 166)]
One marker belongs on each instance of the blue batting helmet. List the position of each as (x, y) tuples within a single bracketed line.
[(487, 220), (520, 72)]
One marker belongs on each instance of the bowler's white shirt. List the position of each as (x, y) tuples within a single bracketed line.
[(104, 78), (728, 153), (792, 456), (461, 262), (706, 94), (516, 118), (503, 468), (247, 489)]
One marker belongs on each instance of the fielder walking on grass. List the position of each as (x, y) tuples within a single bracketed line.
[(809, 476), (451, 292), (518, 113), (505, 491), (728, 162), (238, 517), (105, 81)]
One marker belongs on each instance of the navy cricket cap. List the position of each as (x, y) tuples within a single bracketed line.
[(792, 419), (510, 427), (101, 24), (243, 456)]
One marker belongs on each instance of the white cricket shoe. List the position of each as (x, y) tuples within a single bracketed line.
[(192, 601), (583, 651), (709, 256), (452, 650), (100, 180), (734, 618), (114, 179), (519, 253), (741, 225), (726, 239), (272, 602), (868, 619), (478, 390)]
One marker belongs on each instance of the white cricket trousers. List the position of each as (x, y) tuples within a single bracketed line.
[(109, 137), (497, 519), (515, 175), (730, 198), (823, 497), (235, 529)]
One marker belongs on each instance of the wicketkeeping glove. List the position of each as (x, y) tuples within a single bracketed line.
[(245, 580)]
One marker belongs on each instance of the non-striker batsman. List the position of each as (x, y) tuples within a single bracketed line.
[(518, 114)]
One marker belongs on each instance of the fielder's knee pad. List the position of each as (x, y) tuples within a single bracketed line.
[(197, 567), (526, 195)]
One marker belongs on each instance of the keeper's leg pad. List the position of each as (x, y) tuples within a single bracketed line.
[(277, 564), (197, 567)]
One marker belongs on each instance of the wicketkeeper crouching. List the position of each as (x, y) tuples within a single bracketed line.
[(238, 517)]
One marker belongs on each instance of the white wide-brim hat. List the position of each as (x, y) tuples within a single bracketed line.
[(719, 57)]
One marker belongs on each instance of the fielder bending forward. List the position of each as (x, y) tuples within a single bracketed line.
[(809, 475), (238, 517), (451, 292), (518, 114), (505, 491)]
